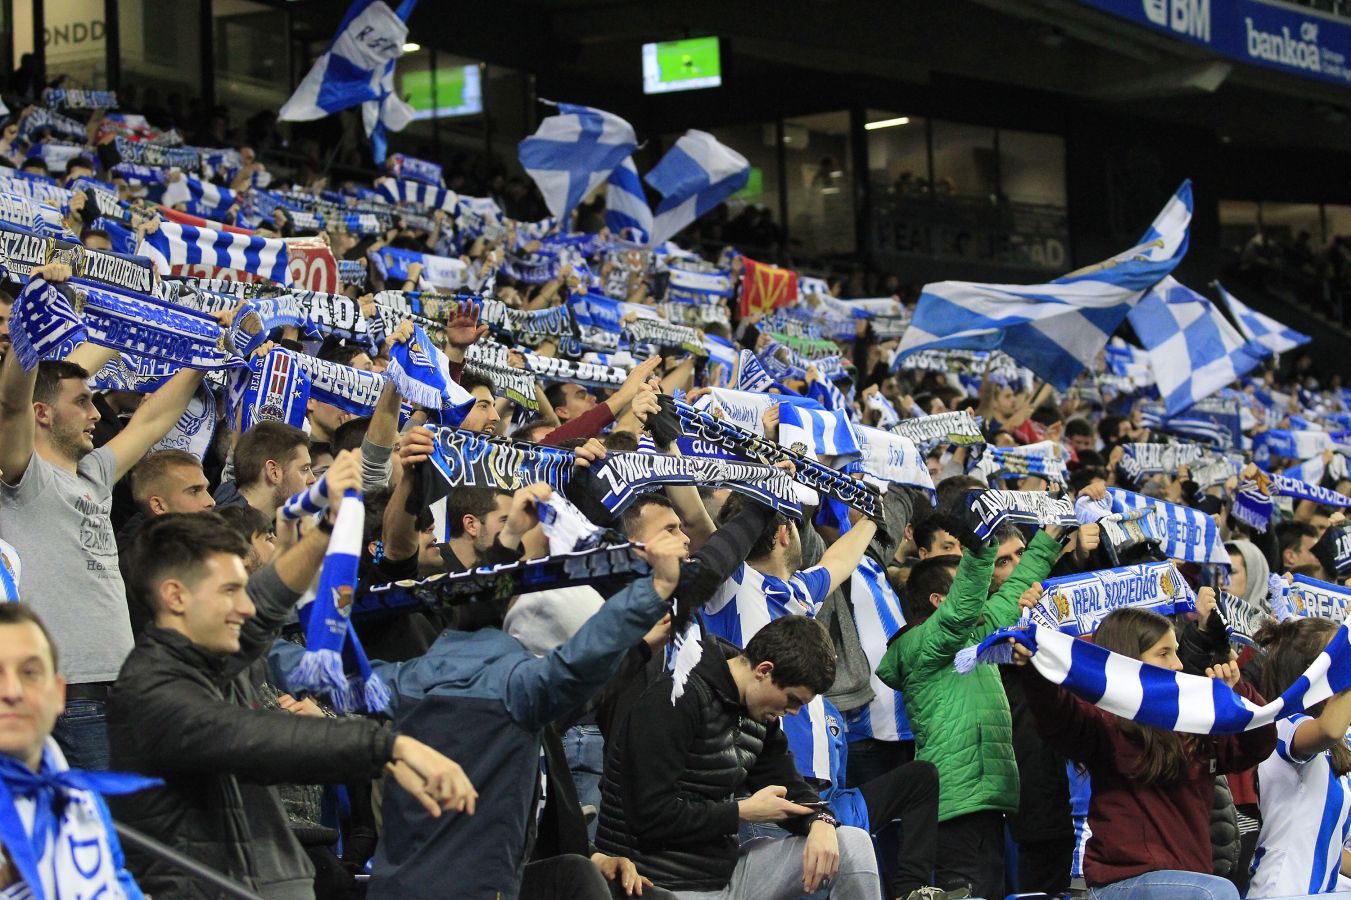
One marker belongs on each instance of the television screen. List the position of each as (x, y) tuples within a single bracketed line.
[(681, 65), (450, 91)]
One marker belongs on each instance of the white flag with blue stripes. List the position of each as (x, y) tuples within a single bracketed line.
[(188, 245), (1055, 329), (573, 153), (1193, 349), (693, 177), (820, 434), (202, 198), (627, 214), (370, 37), (1264, 330)]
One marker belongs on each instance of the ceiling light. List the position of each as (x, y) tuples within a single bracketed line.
[(411, 47), (887, 123)]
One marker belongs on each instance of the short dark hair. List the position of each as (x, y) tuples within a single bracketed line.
[(350, 434), (471, 380), (553, 392), (764, 543), (470, 501), (929, 576), (950, 490), (245, 520), (18, 614), (620, 442), (635, 509), (177, 545), (799, 648), (51, 372), (1288, 534), (1078, 427), (276, 441), (339, 351), (926, 530), (1046, 414), (146, 474), (95, 233)]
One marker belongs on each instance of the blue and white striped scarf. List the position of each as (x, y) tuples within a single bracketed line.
[(1140, 460), (415, 369), (1308, 597), (179, 245), (1188, 534), (1285, 486), (334, 663), (990, 509), (427, 196), (1174, 701), (1018, 462), (944, 428)]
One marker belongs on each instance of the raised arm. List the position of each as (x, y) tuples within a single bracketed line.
[(842, 557), (153, 419)]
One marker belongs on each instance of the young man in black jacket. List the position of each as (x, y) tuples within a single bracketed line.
[(675, 765), (179, 711)]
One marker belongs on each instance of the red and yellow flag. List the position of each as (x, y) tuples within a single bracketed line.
[(765, 287)]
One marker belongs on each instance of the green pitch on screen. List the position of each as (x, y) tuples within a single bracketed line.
[(755, 185), (694, 58), (417, 89)]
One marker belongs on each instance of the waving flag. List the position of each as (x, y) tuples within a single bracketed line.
[(1264, 330), (1193, 350), (358, 68), (766, 287), (573, 153), (210, 201), (627, 214), (180, 245), (693, 177), (1054, 329)]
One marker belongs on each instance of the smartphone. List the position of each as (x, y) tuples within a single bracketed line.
[(814, 804)]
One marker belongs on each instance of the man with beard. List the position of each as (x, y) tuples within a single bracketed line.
[(57, 493)]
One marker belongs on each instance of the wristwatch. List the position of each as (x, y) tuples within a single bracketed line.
[(827, 818)]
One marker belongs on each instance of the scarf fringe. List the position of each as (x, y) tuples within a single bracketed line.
[(321, 672), (417, 392)]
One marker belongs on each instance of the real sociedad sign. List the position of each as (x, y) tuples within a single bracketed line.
[(1251, 31)]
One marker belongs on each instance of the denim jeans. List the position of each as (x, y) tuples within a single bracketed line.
[(82, 733), (1168, 884), (585, 749)]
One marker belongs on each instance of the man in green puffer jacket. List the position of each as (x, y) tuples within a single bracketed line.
[(961, 722)]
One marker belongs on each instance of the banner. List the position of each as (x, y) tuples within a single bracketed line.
[(765, 287)]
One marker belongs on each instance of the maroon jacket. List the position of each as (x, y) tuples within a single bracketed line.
[(1138, 828)]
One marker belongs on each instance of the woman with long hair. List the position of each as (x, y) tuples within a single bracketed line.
[(1306, 783), (1152, 789)]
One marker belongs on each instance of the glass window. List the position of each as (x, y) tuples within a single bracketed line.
[(1338, 220), (74, 37), (963, 160), (252, 57), (820, 184), (1239, 221), (1032, 199), (1288, 223), (898, 171), (160, 60)]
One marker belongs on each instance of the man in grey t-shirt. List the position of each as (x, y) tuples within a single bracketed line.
[(55, 497)]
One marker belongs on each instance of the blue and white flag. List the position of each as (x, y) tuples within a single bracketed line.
[(1290, 444), (1055, 329), (202, 198), (693, 177), (889, 457), (358, 68), (1188, 534), (573, 153), (1193, 350), (1264, 330), (183, 245), (818, 434), (751, 375), (627, 214)]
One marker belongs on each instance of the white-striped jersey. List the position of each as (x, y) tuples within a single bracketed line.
[(1306, 817), (878, 617), (750, 600)]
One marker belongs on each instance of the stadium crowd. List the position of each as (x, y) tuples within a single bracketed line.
[(363, 530)]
